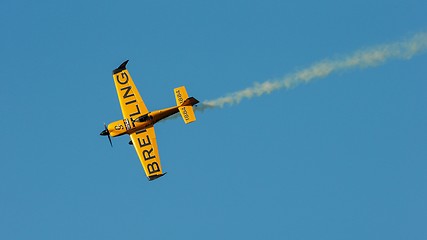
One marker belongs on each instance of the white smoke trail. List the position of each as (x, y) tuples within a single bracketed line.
[(363, 58)]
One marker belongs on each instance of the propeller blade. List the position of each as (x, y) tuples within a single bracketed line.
[(109, 138), (106, 132)]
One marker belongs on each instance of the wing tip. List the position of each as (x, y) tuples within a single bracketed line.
[(154, 177), (121, 67)]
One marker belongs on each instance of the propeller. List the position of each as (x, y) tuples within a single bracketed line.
[(106, 133)]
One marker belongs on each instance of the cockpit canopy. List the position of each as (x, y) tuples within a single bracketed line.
[(144, 118)]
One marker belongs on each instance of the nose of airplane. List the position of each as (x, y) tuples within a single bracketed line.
[(104, 133)]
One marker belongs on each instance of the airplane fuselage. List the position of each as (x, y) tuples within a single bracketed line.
[(129, 126)]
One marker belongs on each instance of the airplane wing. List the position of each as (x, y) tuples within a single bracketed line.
[(145, 145), (130, 101)]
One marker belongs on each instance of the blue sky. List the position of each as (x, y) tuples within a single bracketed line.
[(343, 157)]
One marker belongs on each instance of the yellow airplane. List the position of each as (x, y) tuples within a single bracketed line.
[(138, 122)]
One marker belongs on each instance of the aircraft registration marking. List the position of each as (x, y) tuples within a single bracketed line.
[(179, 96), (185, 114)]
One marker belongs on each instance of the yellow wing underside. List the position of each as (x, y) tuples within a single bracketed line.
[(131, 102), (132, 107), (145, 145)]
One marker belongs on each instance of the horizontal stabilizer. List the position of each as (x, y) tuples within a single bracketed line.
[(187, 114), (185, 104)]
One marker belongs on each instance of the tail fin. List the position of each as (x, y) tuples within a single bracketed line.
[(185, 104)]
